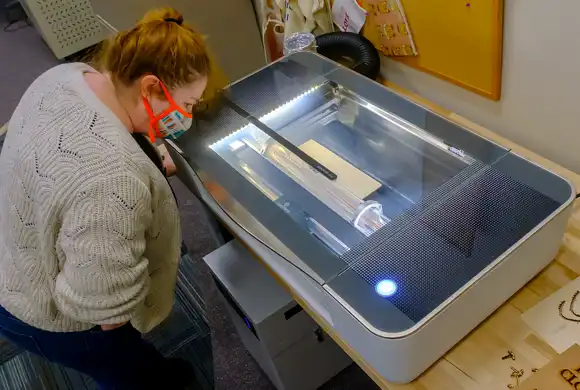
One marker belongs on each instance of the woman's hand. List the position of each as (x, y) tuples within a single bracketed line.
[(168, 164), (170, 168), (108, 327)]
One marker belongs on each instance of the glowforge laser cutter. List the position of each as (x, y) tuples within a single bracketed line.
[(413, 228)]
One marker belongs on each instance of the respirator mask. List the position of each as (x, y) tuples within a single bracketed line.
[(171, 123)]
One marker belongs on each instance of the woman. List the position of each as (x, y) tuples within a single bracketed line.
[(89, 228)]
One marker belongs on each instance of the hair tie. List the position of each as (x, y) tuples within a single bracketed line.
[(169, 20)]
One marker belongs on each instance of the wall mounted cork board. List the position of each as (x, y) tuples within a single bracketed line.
[(457, 40)]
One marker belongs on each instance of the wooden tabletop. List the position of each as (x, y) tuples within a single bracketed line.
[(476, 362)]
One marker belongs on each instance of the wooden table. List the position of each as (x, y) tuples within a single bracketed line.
[(476, 362)]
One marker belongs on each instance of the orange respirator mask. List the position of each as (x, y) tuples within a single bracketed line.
[(171, 123)]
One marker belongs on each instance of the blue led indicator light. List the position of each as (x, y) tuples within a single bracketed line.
[(386, 288)]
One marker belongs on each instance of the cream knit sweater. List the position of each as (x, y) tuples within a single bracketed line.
[(89, 229)]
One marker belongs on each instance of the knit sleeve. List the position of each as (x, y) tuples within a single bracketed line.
[(104, 278)]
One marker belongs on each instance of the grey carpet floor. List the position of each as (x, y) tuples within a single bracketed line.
[(217, 352), (184, 334), (23, 57)]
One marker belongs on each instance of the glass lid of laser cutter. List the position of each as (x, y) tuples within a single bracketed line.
[(339, 166)]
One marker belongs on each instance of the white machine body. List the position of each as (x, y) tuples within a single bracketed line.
[(403, 231)]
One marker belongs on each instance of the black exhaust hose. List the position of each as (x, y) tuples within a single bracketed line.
[(353, 48)]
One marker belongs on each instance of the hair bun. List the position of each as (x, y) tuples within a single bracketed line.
[(173, 20), (164, 15)]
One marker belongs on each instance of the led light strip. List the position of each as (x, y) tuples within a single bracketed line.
[(275, 112)]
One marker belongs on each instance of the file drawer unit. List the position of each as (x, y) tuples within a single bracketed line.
[(287, 344)]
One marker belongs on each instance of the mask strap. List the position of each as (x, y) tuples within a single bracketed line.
[(152, 121), (172, 103)]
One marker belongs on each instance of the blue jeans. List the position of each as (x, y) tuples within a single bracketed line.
[(118, 359)]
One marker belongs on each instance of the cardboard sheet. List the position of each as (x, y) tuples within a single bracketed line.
[(387, 28), (350, 177)]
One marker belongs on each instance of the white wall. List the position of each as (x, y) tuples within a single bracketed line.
[(231, 27), (540, 103)]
